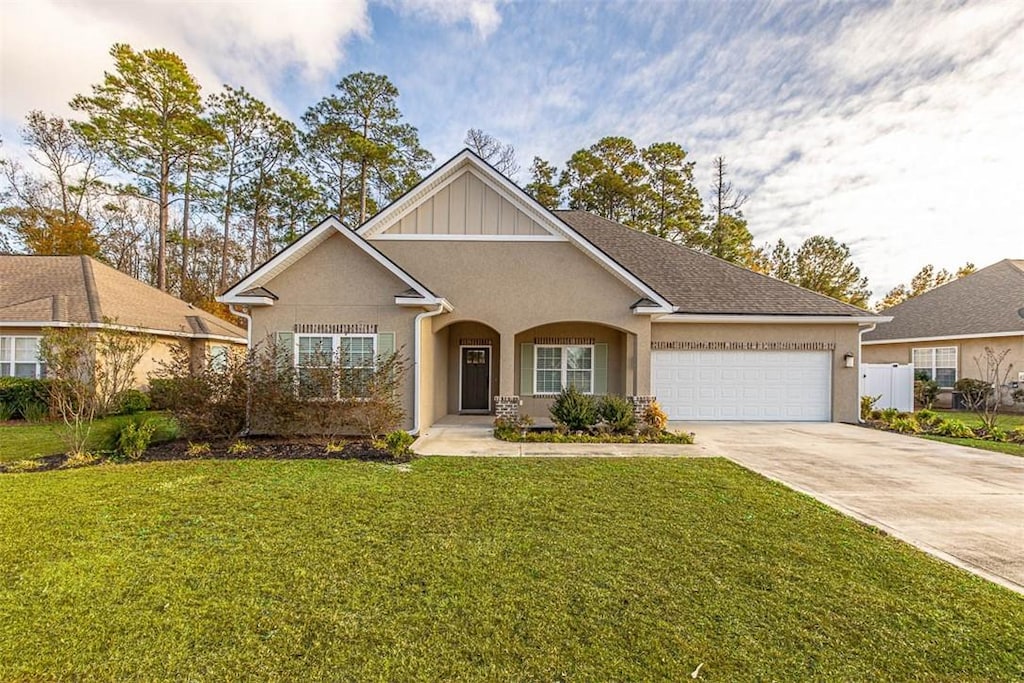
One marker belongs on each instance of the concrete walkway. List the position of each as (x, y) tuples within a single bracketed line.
[(960, 504)]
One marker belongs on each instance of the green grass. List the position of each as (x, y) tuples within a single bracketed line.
[(34, 440), (994, 446), (473, 569), (1004, 420)]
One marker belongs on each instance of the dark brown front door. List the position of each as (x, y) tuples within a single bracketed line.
[(476, 379)]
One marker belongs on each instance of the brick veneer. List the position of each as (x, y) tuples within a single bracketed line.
[(640, 404), (506, 407)]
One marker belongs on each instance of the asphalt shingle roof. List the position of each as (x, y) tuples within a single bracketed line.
[(986, 301), (696, 282), (80, 289)]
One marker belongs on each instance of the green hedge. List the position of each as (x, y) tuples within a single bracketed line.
[(20, 394)]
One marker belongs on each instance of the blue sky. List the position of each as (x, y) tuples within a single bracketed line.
[(895, 127)]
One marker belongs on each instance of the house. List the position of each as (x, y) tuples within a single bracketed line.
[(499, 303), (41, 292), (944, 330)]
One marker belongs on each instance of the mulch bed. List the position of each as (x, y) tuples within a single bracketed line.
[(260, 448)]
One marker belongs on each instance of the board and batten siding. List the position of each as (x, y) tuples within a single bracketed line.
[(466, 207)]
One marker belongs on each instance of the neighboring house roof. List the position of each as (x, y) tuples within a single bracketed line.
[(80, 290), (988, 301), (698, 283)]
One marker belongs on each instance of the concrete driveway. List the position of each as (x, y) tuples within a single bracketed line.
[(961, 504)]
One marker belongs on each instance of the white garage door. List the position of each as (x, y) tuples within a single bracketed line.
[(743, 385)]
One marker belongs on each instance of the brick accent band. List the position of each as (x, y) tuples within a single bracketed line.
[(506, 407), (335, 328), (640, 404), (581, 341), (475, 341), (741, 346)]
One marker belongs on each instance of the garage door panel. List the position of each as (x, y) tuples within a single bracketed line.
[(743, 385)]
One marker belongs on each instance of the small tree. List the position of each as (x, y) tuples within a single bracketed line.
[(89, 371), (994, 375)]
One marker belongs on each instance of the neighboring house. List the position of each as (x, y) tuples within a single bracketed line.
[(41, 292), (497, 301), (944, 330)]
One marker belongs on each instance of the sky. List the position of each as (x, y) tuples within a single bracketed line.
[(897, 128)]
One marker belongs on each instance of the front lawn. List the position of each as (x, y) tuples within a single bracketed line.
[(1004, 420), (26, 440), (462, 568), (994, 446)]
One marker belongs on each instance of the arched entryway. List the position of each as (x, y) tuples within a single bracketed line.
[(473, 367)]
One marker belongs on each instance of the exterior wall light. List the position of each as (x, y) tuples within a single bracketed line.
[(848, 359)]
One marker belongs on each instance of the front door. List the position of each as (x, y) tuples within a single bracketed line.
[(475, 380)]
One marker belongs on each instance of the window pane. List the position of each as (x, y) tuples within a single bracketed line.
[(316, 382), (927, 372), (578, 357), (315, 350), (946, 377), (945, 357), (549, 381), (24, 369), (26, 349), (922, 358), (5, 348), (357, 351), (5, 369), (579, 379), (549, 358)]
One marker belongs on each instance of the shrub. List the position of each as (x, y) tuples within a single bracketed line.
[(80, 459), (1016, 435), (398, 444), (240, 448), (574, 410), (334, 447), (888, 415), (617, 413), (18, 393), (23, 466), (905, 425), (162, 393), (194, 450), (35, 412), (512, 428), (134, 438), (130, 401), (867, 405), (7, 411), (925, 392), (953, 428), (975, 392), (992, 433), (928, 418), (655, 418)]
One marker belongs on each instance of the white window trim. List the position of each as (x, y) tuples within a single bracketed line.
[(335, 351), (39, 372), (564, 367), (933, 367)]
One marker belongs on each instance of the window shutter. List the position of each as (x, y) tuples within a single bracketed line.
[(285, 347), (600, 368), (385, 344), (526, 370)]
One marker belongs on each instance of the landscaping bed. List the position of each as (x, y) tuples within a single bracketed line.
[(245, 449), (1006, 435)]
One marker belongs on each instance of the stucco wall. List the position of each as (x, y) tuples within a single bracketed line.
[(845, 389), (338, 283)]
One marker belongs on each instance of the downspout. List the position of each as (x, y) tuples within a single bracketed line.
[(860, 361), (442, 307), (248, 349)]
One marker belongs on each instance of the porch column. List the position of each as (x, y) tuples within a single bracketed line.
[(630, 364), (507, 380), (643, 361)]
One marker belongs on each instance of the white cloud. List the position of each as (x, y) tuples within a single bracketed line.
[(483, 15), (51, 50)]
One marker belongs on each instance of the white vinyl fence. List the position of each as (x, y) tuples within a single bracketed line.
[(892, 381)]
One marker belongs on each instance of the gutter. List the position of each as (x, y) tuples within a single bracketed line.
[(860, 360), (442, 307), (248, 324)]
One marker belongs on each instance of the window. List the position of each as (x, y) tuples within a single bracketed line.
[(938, 364), (19, 357), (556, 367), (218, 357), (318, 357)]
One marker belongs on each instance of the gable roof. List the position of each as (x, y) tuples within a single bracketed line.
[(696, 283), (249, 291), (988, 301), (80, 290), (548, 221)]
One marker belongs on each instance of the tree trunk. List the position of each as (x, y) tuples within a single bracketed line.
[(186, 207), (161, 249), (223, 282)]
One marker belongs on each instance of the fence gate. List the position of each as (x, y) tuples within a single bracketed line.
[(892, 381)]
